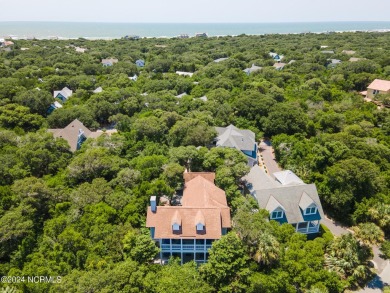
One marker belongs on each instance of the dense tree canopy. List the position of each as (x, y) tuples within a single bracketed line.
[(82, 215)]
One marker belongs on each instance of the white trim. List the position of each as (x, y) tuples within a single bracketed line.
[(311, 212), (277, 217)]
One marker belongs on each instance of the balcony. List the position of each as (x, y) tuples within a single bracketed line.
[(184, 247)]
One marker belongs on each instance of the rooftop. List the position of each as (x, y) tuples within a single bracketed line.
[(379, 84), (231, 136), (202, 202)]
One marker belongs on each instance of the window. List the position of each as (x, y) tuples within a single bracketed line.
[(199, 227), (375, 92), (276, 215), (175, 227), (311, 211)]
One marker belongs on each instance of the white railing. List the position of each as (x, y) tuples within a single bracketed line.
[(310, 230), (185, 247)]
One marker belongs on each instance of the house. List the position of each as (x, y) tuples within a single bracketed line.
[(254, 68), (378, 86), (183, 73), (327, 52), (355, 59), (75, 134), (201, 35), (287, 199), (203, 98), (134, 77), (80, 50), (63, 94), (220, 60), (132, 37), (181, 95), (333, 63), (348, 52), (109, 62), (98, 90), (279, 66), (8, 43), (140, 63), (276, 56), (240, 139), (183, 36), (187, 231), (55, 105)]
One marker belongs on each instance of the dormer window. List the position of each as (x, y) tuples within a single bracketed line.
[(176, 227), (277, 214), (199, 227), (311, 210)]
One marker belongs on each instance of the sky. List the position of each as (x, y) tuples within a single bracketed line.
[(190, 11)]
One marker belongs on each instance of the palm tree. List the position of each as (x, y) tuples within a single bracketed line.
[(368, 234), (347, 257), (268, 249)]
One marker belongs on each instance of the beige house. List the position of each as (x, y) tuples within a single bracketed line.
[(378, 86)]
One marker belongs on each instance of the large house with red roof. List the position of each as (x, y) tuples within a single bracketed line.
[(187, 231)]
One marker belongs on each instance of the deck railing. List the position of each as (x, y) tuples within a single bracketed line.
[(184, 247)]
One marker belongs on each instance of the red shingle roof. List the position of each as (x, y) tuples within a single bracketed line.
[(202, 202)]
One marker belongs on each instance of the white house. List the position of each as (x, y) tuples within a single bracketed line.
[(63, 94)]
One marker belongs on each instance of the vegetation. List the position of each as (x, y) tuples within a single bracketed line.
[(81, 215)]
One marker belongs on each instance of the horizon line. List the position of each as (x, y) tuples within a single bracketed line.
[(153, 22)]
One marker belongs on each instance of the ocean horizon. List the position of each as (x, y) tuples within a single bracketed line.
[(97, 30)]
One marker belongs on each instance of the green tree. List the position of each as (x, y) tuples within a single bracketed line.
[(227, 267)]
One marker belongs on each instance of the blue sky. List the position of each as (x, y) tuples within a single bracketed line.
[(194, 11)]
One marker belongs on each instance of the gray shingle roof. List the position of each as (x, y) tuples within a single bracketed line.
[(71, 133), (294, 197), (231, 136), (287, 177)]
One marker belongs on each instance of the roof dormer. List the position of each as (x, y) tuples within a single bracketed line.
[(176, 222), (275, 208), (200, 222)]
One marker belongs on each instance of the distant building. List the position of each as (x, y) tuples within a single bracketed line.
[(183, 36), (276, 56), (109, 62), (287, 198), (134, 77), (140, 63), (252, 69), (181, 95), (98, 90), (132, 37), (279, 66), (354, 59), (240, 139), (55, 105), (188, 231), (348, 52), (80, 50), (378, 86), (327, 52), (201, 35), (63, 94), (220, 59), (183, 73), (75, 134), (333, 63)]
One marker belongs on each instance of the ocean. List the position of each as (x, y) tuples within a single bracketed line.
[(69, 30)]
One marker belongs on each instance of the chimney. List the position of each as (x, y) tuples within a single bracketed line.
[(153, 203)]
